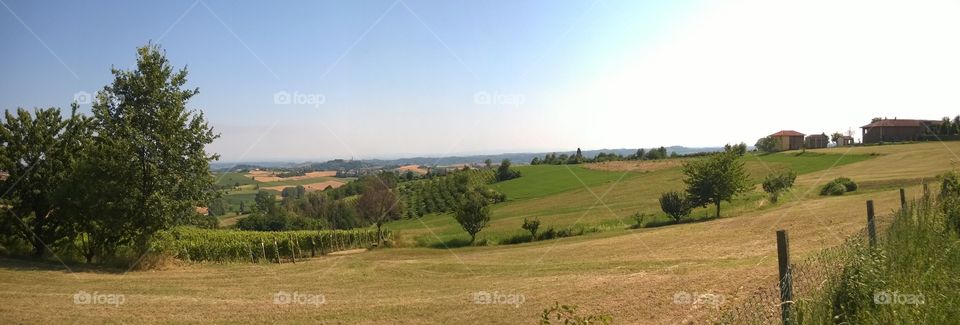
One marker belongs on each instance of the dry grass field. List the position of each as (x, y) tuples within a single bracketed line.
[(634, 165), (318, 186), (632, 275), (266, 176)]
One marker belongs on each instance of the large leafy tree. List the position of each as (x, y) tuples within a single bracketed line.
[(39, 152), (151, 148), (715, 178)]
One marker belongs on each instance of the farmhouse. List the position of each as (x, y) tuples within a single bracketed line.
[(815, 141), (896, 130), (787, 140), (845, 141)]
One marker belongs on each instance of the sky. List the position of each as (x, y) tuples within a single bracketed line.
[(316, 80)]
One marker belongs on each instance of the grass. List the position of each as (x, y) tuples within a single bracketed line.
[(231, 179), (632, 275), (917, 260), (553, 194), (544, 180)]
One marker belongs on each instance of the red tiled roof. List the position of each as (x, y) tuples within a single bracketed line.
[(900, 122), (787, 133)]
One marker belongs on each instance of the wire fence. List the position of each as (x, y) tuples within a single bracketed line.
[(809, 279)]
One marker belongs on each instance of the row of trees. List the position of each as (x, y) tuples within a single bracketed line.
[(93, 184), (578, 158)]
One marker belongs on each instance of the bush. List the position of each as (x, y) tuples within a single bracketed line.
[(638, 218), (675, 205), (847, 183), (778, 182), (531, 225), (838, 186), (833, 188)]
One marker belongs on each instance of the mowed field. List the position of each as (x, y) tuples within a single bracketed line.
[(632, 275)]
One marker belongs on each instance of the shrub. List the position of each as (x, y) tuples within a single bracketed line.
[(550, 233), (833, 188), (847, 183), (638, 218), (531, 225), (839, 186), (675, 205), (778, 182)]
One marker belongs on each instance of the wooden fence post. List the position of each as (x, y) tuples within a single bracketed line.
[(263, 250), (786, 277), (903, 199), (871, 224)]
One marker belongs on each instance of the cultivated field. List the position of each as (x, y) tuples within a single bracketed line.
[(632, 275)]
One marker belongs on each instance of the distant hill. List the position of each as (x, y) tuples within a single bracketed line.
[(516, 158)]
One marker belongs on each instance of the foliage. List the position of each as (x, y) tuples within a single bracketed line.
[(567, 315), (504, 172), (192, 244), (438, 194), (638, 219), (715, 178), (833, 188), (39, 152), (738, 149), (531, 225), (908, 277), (473, 213), (766, 144), (838, 186), (378, 203), (150, 148), (675, 204), (777, 182)]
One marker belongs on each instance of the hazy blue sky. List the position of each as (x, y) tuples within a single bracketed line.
[(326, 79)]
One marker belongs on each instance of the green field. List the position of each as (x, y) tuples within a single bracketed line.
[(231, 179), (543, 180), (556, 196)]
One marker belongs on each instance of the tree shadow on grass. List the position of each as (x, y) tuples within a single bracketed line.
[(670, 222), (16, 263), (451, 243)]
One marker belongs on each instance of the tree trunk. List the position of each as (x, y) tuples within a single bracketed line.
[(37, 230), (718, 209)]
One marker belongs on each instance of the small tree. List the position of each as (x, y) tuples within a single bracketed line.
[(504, 172), (778, 182), (378, 204), (531, 225), (473, 214), (675, 205), (718, 177)]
